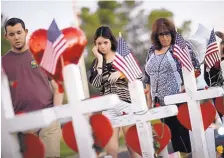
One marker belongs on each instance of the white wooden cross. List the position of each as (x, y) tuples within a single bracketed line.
[(210, 131), (12, 124), (199, 41), (222, 67), (141, 116), (193, 97)]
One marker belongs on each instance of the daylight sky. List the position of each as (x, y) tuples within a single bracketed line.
[(39, 14)]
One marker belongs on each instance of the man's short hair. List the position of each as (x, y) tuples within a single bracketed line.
[(13, 22)]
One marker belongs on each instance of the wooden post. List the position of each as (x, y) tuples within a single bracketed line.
[(10, 145), (198, 134), (75, 93), (142, 116), (192, 97), (81, 63), (74, 111)]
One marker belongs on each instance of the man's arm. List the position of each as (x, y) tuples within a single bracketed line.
[(58, 97)]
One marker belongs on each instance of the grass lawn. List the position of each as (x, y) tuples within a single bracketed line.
[(66, 151)]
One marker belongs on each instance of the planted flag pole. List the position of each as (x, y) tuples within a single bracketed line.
[(62, 61), (120, 36), (125, 62), (182, 53), (56, 45), (212, 55)]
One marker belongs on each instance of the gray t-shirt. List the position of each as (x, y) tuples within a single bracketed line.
[(32, 91)]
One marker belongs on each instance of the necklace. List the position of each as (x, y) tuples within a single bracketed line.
[(156, 99), (162, 50), (165, 48)]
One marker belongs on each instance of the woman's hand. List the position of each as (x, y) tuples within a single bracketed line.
[(114, 77), (182, 90), (96, 53)]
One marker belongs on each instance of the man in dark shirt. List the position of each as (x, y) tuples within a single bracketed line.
[(31, 89)]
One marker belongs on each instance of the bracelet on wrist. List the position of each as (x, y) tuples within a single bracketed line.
[(99, 68)]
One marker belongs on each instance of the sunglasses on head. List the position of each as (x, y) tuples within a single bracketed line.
[(164, 33)]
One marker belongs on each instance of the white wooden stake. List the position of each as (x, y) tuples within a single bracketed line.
[(222, 67), (192, 97), (142, 118), (10, 146), (211, 141), (198, 134), (138, 100), (74, 111)]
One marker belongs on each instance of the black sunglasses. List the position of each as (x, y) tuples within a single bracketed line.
[(164, 33)]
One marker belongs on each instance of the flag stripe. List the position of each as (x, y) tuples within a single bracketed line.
[(130, 65), (134, 63), (56, 51), (209, 49), (46, 58), (182, 56), (56, 45), (122, 63), (125, 62), (187, 55), (61, 50), (218, 56), (120, 67), (182, 53), (212, 53), (123, 70)]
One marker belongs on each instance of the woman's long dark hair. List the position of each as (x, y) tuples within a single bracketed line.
[(105, 32)]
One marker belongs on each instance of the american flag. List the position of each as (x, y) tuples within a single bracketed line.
[(56, 44), (125, 62), (212, 53), (182, 53)]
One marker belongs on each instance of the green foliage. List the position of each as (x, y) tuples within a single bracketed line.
[(5, 44), (106, 14), (163, 13), (129, 3), (116, 15), (109, 5), (158, 13), (185, 28), (65, 151)]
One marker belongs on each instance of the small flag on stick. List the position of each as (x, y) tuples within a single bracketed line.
[(56, 44), (125, 62)]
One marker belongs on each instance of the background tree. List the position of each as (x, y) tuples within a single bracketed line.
[(158, 13), (137, 34), (5, 44), (126, 17), (107, 14), (164, 13)]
